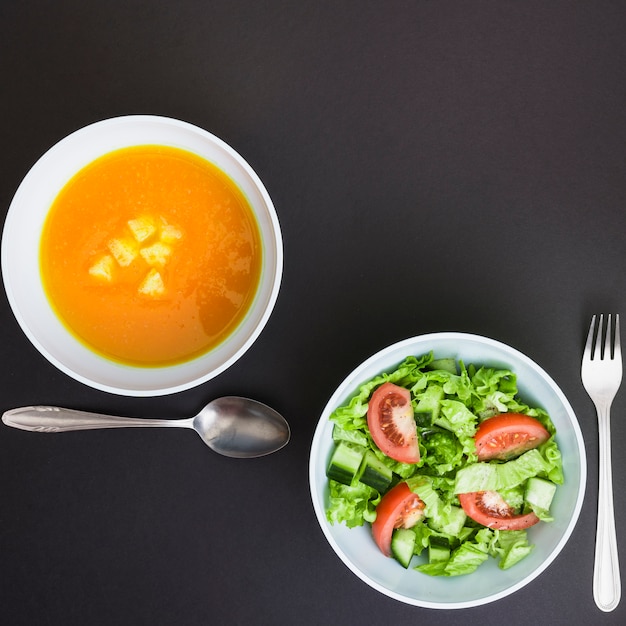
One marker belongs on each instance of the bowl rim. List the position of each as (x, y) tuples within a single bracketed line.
[(186, 375), (348, 387)]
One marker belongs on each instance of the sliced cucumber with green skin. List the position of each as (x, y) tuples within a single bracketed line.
[(438, 552), (375, 473), (466, 531), (539, 493), (345, 463), (403, 545), (427, 408)]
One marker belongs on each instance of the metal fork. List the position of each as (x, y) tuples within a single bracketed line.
[(602, 375)]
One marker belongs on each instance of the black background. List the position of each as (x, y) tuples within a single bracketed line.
[(434, 165)]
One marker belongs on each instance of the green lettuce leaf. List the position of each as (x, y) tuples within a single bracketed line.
[(511, 546), (350, 436), (495, 476), (351, 505), (443, 452), (465, 559), (441, 516), (457, 418)]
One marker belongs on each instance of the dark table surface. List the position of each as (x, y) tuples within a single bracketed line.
[(435, 166)]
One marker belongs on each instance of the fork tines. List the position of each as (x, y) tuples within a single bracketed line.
[(610, 348)]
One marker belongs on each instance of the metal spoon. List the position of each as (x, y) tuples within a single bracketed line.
[(232, 426)]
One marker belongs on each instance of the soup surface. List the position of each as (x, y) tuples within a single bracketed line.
[(151, 255)]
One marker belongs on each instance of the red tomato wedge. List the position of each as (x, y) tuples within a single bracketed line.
[(508, 435), (489, 509), (398, 508), (391, 423)]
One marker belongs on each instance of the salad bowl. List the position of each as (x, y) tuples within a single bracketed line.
[(356, 548)]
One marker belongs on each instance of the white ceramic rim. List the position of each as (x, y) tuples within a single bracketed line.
[(41, 185), (385, 360)]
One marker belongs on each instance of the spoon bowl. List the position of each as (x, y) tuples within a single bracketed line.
[(241, 428), (231, 426)]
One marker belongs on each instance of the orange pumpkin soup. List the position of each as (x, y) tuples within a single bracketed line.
[(151, 255)]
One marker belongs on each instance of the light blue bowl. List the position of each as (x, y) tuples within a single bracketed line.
[(356, 548)]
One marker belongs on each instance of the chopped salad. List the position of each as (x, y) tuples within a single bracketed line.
[(445, 462)]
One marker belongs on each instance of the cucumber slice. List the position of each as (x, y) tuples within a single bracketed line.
[(465, 532), (374, 472), (539, 493), (345, 463), (402, 545), (438, 552), (427, 409)]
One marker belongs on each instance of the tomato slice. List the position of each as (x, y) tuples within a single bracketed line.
[(391, 423), (489, 509), (398, 508), (507, 435)]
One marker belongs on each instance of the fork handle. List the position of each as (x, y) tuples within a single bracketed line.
[(606, 576)]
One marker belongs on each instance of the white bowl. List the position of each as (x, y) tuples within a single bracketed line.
[(356, 548), (20, 255)]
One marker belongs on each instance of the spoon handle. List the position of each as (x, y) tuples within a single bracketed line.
[(52, 419)]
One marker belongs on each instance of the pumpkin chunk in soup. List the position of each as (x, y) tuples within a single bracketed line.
[(151, 255)]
